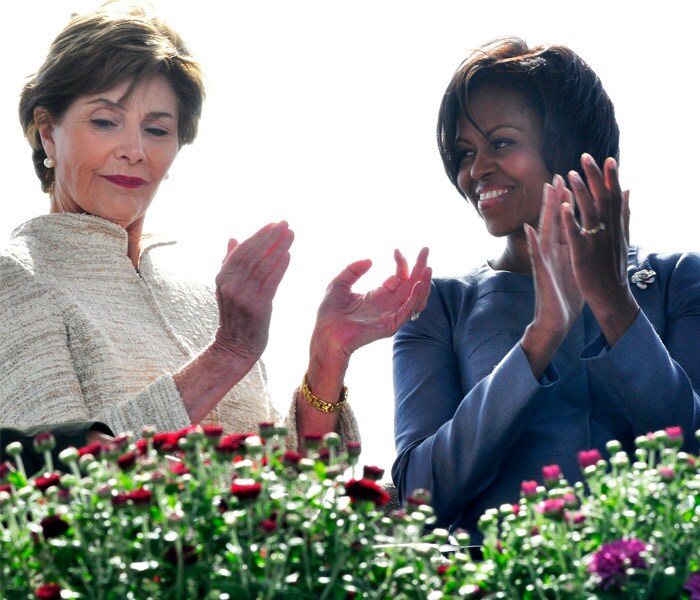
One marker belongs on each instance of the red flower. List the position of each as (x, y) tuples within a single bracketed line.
[(266, 430), (93, 449), (127, 461), (354, 449), (179, 468), (141, 447), (44, 482), (366, 490), (246, 492), (53, 526), (49, 591), (312, 441), (165, 442), (373, 473), (6, 487), (119, 500), (587, 458), (232, 444)]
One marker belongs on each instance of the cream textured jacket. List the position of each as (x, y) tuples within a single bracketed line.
[(83, 335)]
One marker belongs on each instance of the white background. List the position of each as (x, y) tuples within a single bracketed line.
[(323, 113)]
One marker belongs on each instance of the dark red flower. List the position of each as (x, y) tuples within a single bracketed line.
[(612, 561), (127, 461), (587, 458), (189, 554), (246, 492), (120, 500), (312, 441), (373, 473), (266, 430), (141, 447), (268, 525), (44, 482), (354, 449), (6, 487), (366, 490), (140, 496), (291, 459), (5, 470), (44, 442), (93, 449), (53, 526), (49, 591)]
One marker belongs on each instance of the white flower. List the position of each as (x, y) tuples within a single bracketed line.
[(643, 278)]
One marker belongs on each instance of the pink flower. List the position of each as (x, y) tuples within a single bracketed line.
[(667, 474), (551, 475), (612, 561), (366, 490), (588, 458), (553, 508), (675, 436), (528, 490)]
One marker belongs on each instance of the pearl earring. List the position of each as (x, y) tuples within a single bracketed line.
[(49, 163)]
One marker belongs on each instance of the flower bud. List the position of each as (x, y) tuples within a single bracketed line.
[(331, 440), (14, 449), (44, 442)]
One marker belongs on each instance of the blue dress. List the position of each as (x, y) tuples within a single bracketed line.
[(471, 420)]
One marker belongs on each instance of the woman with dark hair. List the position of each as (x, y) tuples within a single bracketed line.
[(93, 325), (567, 339)]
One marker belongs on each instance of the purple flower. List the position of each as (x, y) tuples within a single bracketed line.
[(612, 560), (693, 586)]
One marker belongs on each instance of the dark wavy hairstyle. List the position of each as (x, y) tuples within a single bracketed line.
[(101, 49), (555, 82)]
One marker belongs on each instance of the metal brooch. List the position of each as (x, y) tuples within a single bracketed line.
[(643, 278)]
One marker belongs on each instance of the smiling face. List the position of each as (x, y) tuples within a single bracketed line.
[(112, 150), (502, 170)]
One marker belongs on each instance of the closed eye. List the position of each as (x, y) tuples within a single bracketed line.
[(157, 131)]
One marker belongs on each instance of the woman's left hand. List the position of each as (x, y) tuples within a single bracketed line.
[(348, 320), (599, 246)]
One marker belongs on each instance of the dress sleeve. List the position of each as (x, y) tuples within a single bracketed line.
[(38, 381), (451, 440), (656, 378)]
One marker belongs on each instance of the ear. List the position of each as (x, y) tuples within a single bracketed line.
[(45, 126)]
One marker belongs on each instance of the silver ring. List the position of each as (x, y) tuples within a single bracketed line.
[(415, 316), (593, 230)]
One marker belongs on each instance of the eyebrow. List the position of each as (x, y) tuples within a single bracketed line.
[(118, 106), (491, 131)]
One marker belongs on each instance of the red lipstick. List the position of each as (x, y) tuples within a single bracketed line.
[(125, 181)]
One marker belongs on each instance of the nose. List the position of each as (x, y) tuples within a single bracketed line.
[(482, 164), (131, 147)]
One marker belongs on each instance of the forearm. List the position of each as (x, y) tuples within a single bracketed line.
[(208, 377)]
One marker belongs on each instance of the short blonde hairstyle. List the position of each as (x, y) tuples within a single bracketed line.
[(97, 51)]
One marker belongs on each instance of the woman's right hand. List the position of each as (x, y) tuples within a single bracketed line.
[(245, 288), (558, 299)]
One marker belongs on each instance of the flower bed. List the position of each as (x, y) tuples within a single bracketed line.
[(239, 516)]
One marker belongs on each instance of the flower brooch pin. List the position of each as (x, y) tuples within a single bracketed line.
[(643, 278)]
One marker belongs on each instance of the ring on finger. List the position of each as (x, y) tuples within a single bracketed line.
[(593, 230)]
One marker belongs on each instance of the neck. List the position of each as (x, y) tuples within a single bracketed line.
[(133, 251), (515, 257)]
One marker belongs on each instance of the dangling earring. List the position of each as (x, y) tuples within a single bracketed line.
[(49, 163)]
